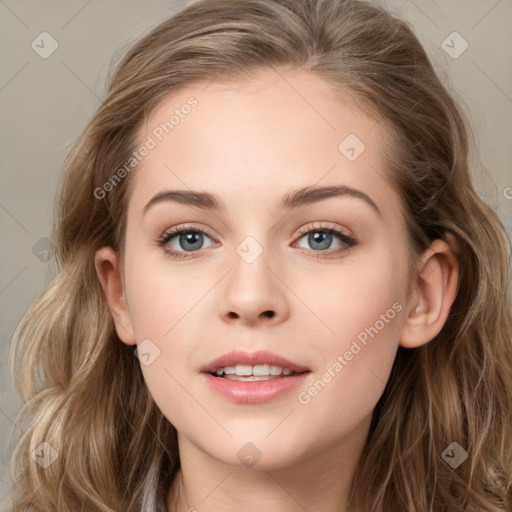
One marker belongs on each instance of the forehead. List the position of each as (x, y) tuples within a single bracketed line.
[(278, 130)]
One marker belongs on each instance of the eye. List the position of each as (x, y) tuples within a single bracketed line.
[(188, 238), (184, 241), (321, 238)]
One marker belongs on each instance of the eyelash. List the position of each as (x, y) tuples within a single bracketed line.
[(166, 237)]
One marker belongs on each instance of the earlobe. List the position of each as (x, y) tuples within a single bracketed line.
[(435, 290), (108, 270)]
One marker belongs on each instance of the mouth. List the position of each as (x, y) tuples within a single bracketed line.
[(253, 377), (250, 373)]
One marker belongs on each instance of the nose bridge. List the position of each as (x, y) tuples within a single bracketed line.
[(253, 291)]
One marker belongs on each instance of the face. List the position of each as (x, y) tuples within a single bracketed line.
[(319, 279)]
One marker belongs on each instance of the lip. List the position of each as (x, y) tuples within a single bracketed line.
[(253, 392), (252, 358)]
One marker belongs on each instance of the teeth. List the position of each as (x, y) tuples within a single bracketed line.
[(243, 370), (252, 377), (259, 370)]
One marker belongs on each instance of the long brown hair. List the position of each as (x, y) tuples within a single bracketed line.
[(83, 389)]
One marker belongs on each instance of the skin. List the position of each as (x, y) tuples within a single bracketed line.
[(251, 143)]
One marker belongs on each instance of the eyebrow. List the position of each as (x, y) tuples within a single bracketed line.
[(295, 199)]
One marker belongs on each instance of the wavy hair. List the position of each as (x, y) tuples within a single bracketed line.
[(83, 390)]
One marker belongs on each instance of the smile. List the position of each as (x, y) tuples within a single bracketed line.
[(244, 372)]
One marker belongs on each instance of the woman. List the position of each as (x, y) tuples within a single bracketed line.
[(337, 337)]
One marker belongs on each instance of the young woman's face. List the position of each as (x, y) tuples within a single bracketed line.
[(269, 273)]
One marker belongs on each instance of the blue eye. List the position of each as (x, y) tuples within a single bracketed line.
[(188, 239), (183, 242), (321, 238)]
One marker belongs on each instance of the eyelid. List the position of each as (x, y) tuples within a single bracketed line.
[(327, 227), (187, 227)]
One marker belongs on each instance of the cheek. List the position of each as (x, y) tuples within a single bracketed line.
[(362, 311), (160, 294), (164, 303), (353, 296), (160, 322)]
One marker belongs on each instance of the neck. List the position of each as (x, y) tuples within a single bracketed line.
[(318, 481)]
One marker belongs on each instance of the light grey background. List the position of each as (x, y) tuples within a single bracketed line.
[(45, 103)]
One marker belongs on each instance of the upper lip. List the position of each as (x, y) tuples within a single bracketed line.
[(251, 358)]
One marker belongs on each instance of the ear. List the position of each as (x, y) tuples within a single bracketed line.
[(434, 291), (108, 270)]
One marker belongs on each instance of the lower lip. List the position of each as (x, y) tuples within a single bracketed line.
[(254, 392)]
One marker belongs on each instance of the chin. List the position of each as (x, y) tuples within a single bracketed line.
[(258, 453)]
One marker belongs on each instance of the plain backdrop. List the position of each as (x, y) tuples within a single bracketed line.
[(45, 103)]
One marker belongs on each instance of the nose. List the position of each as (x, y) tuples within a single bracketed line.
[(255, 293)]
